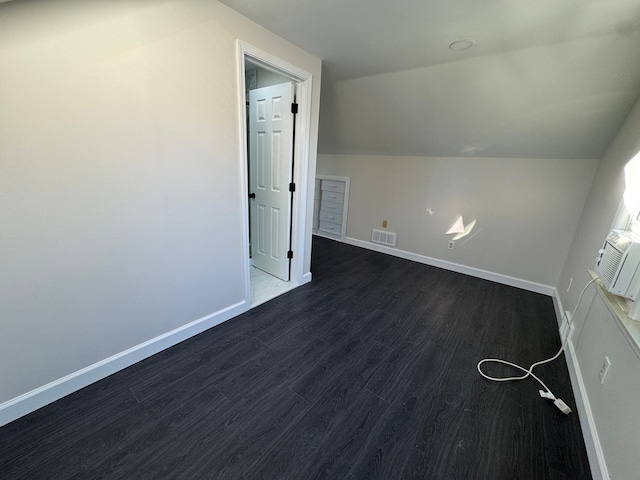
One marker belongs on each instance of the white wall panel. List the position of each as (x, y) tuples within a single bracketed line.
[(526, 210), (120, 176)]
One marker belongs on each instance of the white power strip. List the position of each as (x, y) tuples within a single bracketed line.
[(563, 407), (560, 405)]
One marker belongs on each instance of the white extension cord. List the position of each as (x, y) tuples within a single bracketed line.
[(546, 393)]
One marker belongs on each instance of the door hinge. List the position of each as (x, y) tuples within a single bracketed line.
[(290, 254), (294, 108), (292, 187)]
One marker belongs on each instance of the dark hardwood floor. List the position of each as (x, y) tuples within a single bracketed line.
[(368, 372)]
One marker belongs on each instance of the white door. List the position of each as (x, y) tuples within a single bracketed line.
[(270, 168)]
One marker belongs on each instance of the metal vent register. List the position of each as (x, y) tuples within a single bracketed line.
[(385, 238)]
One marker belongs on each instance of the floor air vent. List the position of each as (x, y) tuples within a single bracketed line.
[(385, 238)]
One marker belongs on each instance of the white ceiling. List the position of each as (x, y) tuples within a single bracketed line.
[(546, 78)]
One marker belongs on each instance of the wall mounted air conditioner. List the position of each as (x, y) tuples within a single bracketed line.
[(618, 263)]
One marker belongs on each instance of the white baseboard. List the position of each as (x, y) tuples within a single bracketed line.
[(559, 309), (455, 267), (41, 396), (597, 462), (590, 434)]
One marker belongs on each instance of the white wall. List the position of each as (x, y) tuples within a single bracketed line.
[(558, 100), (120, 176), (526, 210), (614, 404), (600, 209)]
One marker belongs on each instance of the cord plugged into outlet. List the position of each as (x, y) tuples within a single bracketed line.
[(566, 327), (567, 333)]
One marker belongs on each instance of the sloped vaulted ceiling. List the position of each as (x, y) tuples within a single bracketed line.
[(545, 79)]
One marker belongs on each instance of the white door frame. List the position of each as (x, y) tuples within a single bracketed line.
[(301, 147)]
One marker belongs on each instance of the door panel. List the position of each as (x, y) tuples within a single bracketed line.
[(270, 160)]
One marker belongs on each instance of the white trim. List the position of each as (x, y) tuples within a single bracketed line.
[(455, 267), (301, 176), (587, 423), (557, 306), (244, 171), (304, 81), (41, 396), (597, 462)]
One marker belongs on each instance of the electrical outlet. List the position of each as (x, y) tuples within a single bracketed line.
[(604, 369), (384, 224), (451, 245), (567, 316), (566, 327), (566, 331)]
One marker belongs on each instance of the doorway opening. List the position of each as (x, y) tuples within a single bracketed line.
[(276, 100)]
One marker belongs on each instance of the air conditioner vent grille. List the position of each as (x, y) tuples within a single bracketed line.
[(609, 264), (385, 238)]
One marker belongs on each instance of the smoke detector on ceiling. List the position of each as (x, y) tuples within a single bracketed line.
[(461, 45)]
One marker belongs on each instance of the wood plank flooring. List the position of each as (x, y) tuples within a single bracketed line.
[(368, 372)]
